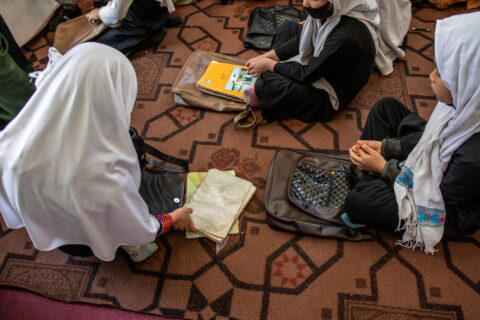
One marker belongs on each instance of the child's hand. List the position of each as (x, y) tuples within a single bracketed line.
[(375, 145), (182, 219), (93, 16), (366, 158), (260, 65)]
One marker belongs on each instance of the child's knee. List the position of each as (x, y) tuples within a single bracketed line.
[(354, 204), (382, 105)]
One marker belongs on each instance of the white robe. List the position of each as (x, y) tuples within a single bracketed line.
[(69, 172), (395, 17)]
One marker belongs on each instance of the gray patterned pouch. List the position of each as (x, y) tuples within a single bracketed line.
[(319, 187)]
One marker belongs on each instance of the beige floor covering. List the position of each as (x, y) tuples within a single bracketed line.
[(262, 273)]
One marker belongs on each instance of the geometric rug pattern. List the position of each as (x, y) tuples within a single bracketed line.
[(261, 273)]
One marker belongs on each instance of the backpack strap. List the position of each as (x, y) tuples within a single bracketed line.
[(142, 149), (182, 164), (240, 120)]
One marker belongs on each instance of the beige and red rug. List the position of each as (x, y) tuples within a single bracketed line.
[(261, 273)]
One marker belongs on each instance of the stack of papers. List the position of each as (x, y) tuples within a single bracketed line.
[(217, 203), (193, 182)]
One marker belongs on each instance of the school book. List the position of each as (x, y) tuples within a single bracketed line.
[(226, 80), (193, 181), (217, 203)]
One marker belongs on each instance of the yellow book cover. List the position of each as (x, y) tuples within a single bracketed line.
[(226, 79)]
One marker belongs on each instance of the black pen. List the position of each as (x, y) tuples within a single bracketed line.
[(420, 29)]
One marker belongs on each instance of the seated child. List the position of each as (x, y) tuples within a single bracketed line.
[(435, 191), (316, 70), (69, 172), (135, 22)]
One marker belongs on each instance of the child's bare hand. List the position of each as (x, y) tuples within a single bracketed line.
[(182, 219), (260, 65), (93, 16), (366, 158), (375, 145)]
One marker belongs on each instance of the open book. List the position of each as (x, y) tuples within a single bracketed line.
[(226, 80), (217, 203), (193, 182)]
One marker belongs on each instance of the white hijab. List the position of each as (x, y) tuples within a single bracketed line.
[(417, 188), (314, 33), (69, 173)]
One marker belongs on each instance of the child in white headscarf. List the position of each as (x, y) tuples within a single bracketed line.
[(69, 172), (436, 189), (316, 70)]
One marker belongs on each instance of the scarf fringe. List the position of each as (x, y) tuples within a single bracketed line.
[(410, 226), (413, 244), (410, 244)]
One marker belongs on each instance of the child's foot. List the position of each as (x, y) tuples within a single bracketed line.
[(346, 220), (141, 253), (251, 97)]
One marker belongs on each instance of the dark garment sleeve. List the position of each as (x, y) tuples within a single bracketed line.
[(409, 141), (400, 148), (391, 148), (337, 49), (391, 170)]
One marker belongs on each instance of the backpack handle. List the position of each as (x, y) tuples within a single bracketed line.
[(143, 148)]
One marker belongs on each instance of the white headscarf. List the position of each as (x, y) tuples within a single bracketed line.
[(69, 173), (417, 188), (314, 33)]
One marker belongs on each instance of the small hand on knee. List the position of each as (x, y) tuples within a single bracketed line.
[(367, 158)]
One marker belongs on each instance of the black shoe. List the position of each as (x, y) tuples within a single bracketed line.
[(156, 37), (173, 21)]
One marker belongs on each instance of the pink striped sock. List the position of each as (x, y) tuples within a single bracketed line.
[(251, 97)]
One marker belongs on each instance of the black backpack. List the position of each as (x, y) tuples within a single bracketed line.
[(161, 187)]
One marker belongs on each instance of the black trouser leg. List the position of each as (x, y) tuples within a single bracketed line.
[(283, 98), (78, 250), (372, 202), (384, 119), (288, 30), (389, 118)]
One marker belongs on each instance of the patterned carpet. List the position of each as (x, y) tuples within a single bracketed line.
[(261, 273)]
